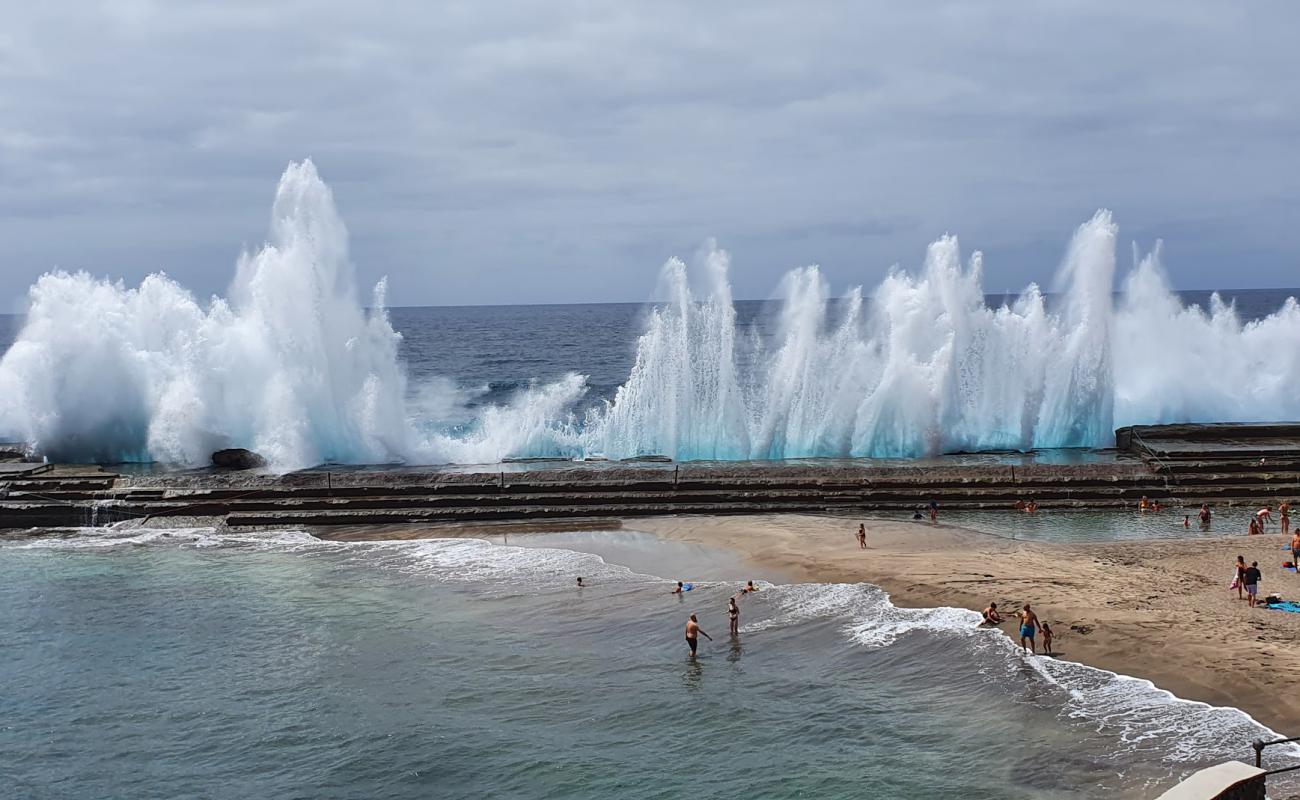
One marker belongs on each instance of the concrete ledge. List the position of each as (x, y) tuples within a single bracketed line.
[(1231, 780)]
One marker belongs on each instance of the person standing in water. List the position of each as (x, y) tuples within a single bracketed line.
[(1028, 627), (1204, 516), (1264, 515), (934, 510), (862, 537), (693, 634), (733, 611), (1284, 512)]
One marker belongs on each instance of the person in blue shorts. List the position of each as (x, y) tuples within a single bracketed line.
[(1028, 627)]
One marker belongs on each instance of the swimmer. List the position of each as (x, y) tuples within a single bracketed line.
[(682, 587), (749, 587), (580, 583), (693, 634), (1144, 505), (1187, 520), (733, 611)]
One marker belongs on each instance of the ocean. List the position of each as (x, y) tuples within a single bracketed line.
[(191, 663)]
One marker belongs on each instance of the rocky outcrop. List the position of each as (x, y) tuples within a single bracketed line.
[(237, 458)]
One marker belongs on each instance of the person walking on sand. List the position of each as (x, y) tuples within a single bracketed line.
[(733, 611), (693, 634), (1251, 579), (1239, 582), (1295, 549), (862, 537), (1028, 627)]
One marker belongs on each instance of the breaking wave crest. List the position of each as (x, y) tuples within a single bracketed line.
[(292, 365)]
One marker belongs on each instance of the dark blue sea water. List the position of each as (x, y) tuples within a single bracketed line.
[(169, 664)]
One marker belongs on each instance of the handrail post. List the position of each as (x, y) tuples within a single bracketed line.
[(1259, 752)]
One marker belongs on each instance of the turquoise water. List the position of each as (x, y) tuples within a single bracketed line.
[(191, 664)]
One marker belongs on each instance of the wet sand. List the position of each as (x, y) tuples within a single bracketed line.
[(1158, 610)]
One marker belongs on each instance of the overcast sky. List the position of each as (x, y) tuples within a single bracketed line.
[(516, 152)]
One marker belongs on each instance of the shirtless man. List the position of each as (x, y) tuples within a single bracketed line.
[(693, 634), (1295, 549), (862, 537), (1204, 515), (1028, 627), (1264, 515), (991, 615)]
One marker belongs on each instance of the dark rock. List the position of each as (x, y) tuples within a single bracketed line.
[(237, 458)]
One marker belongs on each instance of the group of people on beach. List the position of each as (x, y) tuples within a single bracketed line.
[(1030, 625), (693, 629)]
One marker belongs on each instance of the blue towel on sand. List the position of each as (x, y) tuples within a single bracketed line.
[(1285, 605)]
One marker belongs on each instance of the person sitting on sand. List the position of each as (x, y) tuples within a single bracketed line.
[(1204, 515), (1047, 637), (733, 611), (862, 537), (693, 634), (1295, 549), (1251, 579), (991, 615), (1028, 627), (1238, 582)]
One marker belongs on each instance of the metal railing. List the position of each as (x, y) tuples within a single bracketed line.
[(1259, 746)]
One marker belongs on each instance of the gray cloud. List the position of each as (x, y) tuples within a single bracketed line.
[(539, 152)]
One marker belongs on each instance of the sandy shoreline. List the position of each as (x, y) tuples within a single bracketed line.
[(1158, 610)]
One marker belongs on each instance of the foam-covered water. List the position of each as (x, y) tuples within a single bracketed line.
[(199, 663), (292, 365)]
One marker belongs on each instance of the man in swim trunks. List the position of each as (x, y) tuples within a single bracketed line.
[(693, 634), (1204, 515), (1295, 549), (992, 616), (1251, 579), (1028, 627)]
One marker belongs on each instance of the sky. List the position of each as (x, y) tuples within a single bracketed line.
[(539, 152)]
